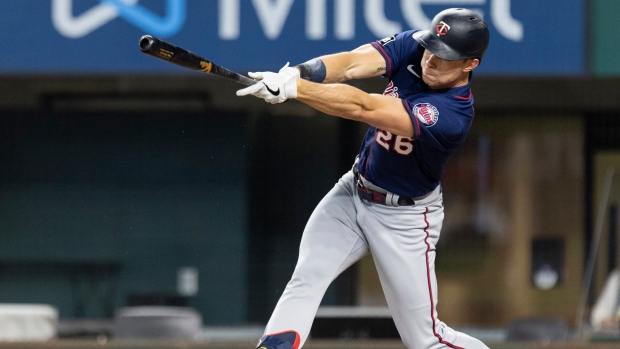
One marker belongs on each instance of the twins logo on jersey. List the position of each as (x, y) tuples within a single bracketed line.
[(391, 90), (426, 113)]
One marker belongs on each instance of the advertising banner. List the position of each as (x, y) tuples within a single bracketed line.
[(605, 38), (528, 37)]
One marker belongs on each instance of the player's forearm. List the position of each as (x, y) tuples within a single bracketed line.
[(348, 102), (361, 63), (337, 67), (347, 67), (334, 99), (326, 69)]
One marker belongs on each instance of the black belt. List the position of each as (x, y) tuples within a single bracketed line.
[(370, 195)]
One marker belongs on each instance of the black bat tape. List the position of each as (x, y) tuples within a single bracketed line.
[(180, 56)]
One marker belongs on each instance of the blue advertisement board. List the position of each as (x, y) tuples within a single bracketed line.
[(528, 37)]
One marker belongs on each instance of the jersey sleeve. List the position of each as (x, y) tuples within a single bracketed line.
[(436, 124), (396, 50)]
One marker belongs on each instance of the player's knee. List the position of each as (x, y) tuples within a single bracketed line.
[(308, 285), (312, 271), (301, 283)]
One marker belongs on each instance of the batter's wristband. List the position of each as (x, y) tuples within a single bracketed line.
[(313, 70)]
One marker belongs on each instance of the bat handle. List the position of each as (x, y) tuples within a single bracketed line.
[(246, 81), (242, 79)]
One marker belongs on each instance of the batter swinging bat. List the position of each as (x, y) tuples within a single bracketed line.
[(180, 56)]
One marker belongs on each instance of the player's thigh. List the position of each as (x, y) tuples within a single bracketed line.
[(403, 248), (332, 237)]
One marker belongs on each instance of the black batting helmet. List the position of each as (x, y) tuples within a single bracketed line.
[(454, 34)]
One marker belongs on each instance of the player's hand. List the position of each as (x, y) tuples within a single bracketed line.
[(286, 70), (290, 71), (273, 87)]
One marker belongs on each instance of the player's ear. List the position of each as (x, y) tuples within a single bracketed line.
[(471, 64)]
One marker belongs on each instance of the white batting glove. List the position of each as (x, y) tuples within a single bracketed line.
[(286, 70), (273, 88), (290, 71)]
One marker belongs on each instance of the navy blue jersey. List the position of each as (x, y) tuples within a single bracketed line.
[(441, 119)]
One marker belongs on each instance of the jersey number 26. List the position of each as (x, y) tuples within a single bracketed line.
[(401, 145)]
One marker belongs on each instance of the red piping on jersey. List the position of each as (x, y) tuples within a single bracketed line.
[(465, 98), (387, 58), (430, 288)]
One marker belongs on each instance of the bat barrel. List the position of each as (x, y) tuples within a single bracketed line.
[(146, 43), (177, 55), (173, 54)]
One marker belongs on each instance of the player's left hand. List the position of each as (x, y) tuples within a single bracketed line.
[(273, 87)]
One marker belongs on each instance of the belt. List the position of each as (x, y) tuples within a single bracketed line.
[(371, 195)]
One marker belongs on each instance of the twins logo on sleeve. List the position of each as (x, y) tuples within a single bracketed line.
[(426, 113)]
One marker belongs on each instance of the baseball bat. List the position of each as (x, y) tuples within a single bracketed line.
[(168, 52)]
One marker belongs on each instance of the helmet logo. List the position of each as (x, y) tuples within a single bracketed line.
[(442, 28)]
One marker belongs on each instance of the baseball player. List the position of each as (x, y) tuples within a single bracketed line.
[(390, 204)]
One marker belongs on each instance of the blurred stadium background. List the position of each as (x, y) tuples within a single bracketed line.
[(129, 184)]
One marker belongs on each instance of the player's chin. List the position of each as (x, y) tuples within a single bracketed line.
[(428, 79), (433, 82)]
